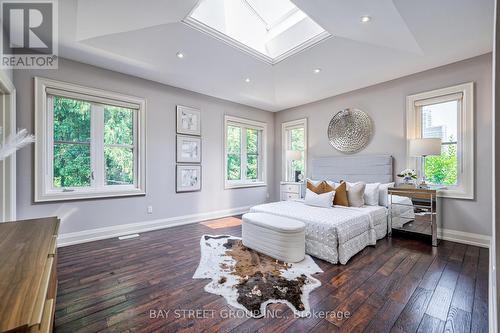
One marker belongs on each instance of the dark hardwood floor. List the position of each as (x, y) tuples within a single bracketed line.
[(400, 285)]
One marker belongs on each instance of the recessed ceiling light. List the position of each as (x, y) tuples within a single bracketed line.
[(365, 18), (317, 70), (247, 80), (180, 55)]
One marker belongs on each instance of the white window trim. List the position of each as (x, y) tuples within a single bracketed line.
[(286, 126), (8, 166), (231, 184), (44, 190), (465, 188)]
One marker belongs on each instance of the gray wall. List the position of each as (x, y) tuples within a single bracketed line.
[(385, 103), (8, 73), (161, 102)]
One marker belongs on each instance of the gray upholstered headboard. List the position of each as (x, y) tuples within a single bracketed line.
[(366, 168)]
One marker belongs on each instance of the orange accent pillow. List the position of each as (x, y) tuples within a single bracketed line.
[(340, 198), (318, 189), (327, 187)]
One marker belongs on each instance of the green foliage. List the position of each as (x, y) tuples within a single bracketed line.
[(297, 143), (252, 153), (72, 142), (297, 139), (118, 125), (233, 153), (119, 165), (119, 130), (71, 160), (71, 165), (442, 169), (71, 120), (234, 171)]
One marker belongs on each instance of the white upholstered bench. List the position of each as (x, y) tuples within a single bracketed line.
[(278, 237)]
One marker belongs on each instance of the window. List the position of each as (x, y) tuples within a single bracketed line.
[(89, 143), (439, 120), (446, 114), (269, 30), (244, 147), (294, 138)]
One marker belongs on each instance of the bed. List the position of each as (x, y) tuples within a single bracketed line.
[(333, 234), (337, 233)]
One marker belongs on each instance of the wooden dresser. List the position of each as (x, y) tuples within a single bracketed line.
[(28, 279)]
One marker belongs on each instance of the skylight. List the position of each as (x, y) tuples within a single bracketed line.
[(270, 30)]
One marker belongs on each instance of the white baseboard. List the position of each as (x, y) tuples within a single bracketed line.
[(464, 237), (138, 227)]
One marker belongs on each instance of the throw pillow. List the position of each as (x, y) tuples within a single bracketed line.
[(319, 200), (355, 194), (382, 194), (372, 194), (315, 185), (341, 198)]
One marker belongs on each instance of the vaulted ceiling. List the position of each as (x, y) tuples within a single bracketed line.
[(143, 38)]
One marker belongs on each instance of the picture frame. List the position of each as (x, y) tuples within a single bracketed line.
[(188, 178), (188, 149), (188, 120)]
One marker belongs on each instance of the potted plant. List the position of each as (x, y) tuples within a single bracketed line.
[(408, 176)]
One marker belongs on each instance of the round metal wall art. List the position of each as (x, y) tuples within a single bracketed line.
[(350, 130)]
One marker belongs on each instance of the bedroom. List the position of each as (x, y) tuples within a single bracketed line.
[(161, 124)]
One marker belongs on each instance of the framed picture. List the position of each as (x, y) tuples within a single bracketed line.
[(188, 120), (188, 178), (188, 149)]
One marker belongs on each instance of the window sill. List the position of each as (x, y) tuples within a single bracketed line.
[(86, 194), (229, 186), (455, 194)]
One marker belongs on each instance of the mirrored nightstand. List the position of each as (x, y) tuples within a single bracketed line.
[(414, 210)]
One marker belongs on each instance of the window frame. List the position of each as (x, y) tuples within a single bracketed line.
[(44, 190), (285, 127), (465, 132), (262, 153)]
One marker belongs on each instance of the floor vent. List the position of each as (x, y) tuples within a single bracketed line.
[(128, 236)]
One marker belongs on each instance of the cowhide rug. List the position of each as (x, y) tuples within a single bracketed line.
[(250, 280)]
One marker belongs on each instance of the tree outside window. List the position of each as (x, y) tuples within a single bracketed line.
[(73, 144), (244, 158), (440, 121)]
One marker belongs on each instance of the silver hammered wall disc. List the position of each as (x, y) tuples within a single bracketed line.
[(350, 130)]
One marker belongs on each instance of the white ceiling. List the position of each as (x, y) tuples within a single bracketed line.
[(142, 38)]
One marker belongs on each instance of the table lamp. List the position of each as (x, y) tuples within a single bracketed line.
[(294, 155), (423, 148)]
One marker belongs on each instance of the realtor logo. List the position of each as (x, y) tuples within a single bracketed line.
[(29, 34)]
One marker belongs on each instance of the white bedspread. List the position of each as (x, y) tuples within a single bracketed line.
[(333, 234)]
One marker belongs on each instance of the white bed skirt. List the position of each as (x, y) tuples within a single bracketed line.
[(333, 234)]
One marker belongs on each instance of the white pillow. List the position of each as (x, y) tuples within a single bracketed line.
[(319, 200), (382, 194), (372, 194), (355, 194)]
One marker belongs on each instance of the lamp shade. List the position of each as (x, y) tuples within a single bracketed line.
[(425, 147), (293, 155)]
